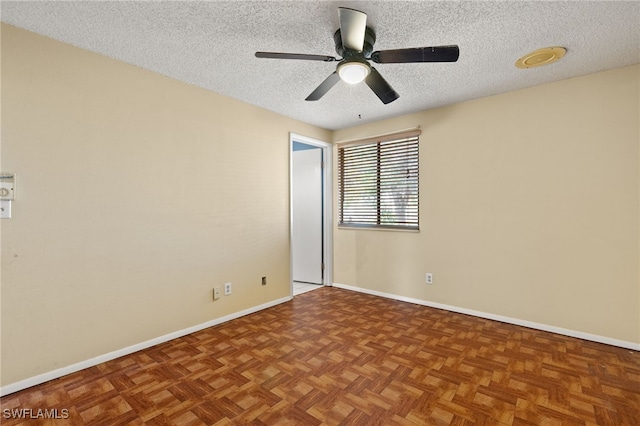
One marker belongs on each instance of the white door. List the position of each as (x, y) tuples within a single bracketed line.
[(307, 215)]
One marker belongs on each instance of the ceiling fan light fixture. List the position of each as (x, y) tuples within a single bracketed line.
[(353, 72)]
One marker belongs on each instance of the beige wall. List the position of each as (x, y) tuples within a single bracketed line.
[(136, 195), (529, 208)]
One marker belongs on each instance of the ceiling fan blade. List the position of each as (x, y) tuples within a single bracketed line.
[(324, 87), (380, 87), (418, 54), (353, 24), (276, 55)]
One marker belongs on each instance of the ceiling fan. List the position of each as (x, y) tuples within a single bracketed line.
[(354, 43)]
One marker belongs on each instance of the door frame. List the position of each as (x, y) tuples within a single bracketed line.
[(327, 214)]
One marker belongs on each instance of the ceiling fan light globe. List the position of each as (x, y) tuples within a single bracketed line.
[(353, 72)]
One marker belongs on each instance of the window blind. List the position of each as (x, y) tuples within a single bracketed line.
[(378, 182)]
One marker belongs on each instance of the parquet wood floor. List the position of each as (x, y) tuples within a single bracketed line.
[(332, 357)]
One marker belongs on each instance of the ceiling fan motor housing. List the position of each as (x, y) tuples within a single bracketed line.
[(367, 48)]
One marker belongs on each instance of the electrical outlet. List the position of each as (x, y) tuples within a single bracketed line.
[(216, 293), (429, 278), (264, 280), (227, 289)]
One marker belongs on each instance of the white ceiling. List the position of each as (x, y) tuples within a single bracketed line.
[(212, 45)]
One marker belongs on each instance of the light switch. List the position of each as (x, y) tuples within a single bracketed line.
[(5, 209)]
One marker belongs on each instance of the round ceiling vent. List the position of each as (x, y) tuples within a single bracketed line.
[(541, 57)]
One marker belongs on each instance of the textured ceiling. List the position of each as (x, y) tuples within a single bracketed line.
[(212, 45)]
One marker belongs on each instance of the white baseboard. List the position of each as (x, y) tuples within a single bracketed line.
[(509, 320), (60, 372)]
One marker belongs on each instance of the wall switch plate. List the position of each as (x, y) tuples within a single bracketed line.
[(429, 278), (216, 293), (227, 289), (5, 209)]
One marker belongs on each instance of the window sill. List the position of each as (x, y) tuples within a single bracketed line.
[(378, 228)]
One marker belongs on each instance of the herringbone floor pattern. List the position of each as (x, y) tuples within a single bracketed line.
[(334, 357)]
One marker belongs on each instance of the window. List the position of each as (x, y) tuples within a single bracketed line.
[(378, 182)]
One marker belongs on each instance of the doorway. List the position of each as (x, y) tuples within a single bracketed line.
[(310, 214)]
